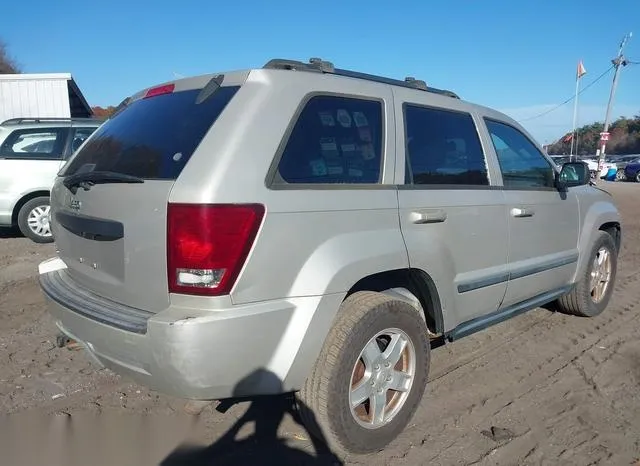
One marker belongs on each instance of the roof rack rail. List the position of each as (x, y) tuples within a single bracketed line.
[(317, 65), (417, 83), (17, 121)]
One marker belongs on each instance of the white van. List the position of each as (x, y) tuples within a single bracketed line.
[(32, 151)]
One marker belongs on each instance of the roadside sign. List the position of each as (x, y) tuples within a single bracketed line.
[(604, 136)]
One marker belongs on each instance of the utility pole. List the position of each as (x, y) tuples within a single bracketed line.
[(618, 62)]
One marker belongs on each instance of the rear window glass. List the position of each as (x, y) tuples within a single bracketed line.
[(443, 148), (152, 138)]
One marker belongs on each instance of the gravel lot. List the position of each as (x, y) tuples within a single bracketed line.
[(543, 388)]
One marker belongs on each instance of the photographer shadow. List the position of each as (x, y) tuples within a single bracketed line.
[(263, 446)]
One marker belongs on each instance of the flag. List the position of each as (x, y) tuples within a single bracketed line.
[(581, 70)]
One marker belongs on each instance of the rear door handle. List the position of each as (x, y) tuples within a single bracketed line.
[(428, 216), (522, 212)]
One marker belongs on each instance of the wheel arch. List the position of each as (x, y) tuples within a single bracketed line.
[(601, 216), (23, 200), (412, 285), (615, 230)]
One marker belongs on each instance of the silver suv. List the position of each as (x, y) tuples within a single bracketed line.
[(302, 228), (32, 151)]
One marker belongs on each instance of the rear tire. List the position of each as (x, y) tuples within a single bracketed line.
[(638, 177), (357, 363), (620, 176), (33, 220), (591, 295)]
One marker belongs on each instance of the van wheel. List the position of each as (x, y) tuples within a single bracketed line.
[(592, 293), (370, 377), (33, 220)]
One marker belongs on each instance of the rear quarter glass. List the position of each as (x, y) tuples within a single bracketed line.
[(152, 138)]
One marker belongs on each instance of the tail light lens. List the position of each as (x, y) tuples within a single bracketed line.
[(160, 90), (207, 245)]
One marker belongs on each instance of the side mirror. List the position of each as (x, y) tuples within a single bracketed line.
[(573, 174)]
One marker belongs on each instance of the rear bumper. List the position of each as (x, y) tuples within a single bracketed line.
[(245, 350)]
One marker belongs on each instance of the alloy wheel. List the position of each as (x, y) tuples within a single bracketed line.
[(382, 378), (600, 275)]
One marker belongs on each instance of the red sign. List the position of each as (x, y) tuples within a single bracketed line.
[(604, 136)]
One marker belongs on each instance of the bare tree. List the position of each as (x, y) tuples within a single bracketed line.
[(7, 64)]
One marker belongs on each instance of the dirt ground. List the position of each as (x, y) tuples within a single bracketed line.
[(541, 389)]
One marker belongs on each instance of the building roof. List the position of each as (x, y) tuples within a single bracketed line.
[(35, 76), (79, 107)]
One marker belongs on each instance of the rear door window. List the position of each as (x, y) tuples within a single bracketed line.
[(442, 148), (152, 138), (335, 140), (35, 143)]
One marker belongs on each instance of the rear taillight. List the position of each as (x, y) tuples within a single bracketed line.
[(207, 245)]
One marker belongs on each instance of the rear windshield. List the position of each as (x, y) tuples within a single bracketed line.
[(152, 138)]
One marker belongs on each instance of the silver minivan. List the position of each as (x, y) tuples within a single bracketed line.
[(32, 151)]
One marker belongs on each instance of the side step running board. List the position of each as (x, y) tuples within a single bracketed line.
[(483, 322)]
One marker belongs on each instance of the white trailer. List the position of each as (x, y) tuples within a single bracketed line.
[(41, 95)]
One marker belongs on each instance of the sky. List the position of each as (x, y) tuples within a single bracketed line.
[(519, 57)]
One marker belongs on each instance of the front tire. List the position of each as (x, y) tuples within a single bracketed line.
[(620, 176), (33, 220), (592, 293), (370, 377)]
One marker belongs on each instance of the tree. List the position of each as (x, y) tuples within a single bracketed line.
[(624, 138), (7, 64), (101, 112)]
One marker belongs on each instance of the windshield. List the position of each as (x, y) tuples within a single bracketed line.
[(152, 138)]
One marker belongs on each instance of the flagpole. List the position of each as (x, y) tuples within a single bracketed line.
[(575, 118)]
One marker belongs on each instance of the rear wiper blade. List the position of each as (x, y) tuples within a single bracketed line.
[(88, 179)]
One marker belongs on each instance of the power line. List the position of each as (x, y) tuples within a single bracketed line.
[(569, 99)]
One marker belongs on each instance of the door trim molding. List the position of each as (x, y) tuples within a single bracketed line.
[(494, 279), (554, 264)]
